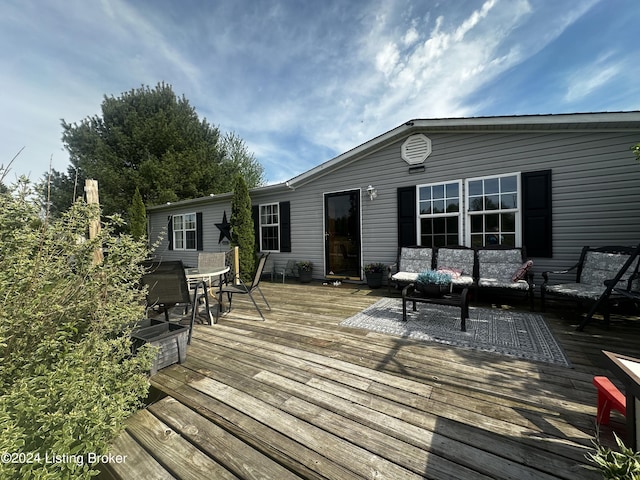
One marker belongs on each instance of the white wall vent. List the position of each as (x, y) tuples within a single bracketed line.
[(416, 149)]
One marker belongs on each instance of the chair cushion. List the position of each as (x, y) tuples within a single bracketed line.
[(405, 277), (499, 265), (521, 272), (462, 281), (601, 266), (496, 283), (459, 258), (454, 273), (415, 260), (578, 290)]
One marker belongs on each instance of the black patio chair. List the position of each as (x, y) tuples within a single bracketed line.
[(243, 289), (168, 287), (613, 290), (632, 289)]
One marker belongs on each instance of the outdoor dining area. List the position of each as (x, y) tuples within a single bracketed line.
[(298, 390)]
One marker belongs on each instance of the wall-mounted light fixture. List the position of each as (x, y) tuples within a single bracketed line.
[(372, 192)]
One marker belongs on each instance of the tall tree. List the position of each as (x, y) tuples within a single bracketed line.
[(153, 140), (238, 159), (242, 234)]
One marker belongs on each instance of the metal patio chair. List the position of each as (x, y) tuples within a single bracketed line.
[(243, 289), (168, 287)]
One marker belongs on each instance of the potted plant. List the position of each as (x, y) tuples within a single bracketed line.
[(305, 271), (433, 283), (374, 272)]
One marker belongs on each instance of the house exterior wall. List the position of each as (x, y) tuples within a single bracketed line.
[(595, 192), (212, 212)]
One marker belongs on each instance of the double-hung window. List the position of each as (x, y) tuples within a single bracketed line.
[(509, 209), (269, 228), (493, 210), (440, 214), (184, 231)]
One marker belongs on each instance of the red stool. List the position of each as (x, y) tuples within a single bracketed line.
[(608, 397)]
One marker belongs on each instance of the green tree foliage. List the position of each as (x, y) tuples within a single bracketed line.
[(137, 217), (636, 150), (242, 233), (239, 160), (67, 377), (151, 139)]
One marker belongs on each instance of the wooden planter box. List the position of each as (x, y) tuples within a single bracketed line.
[(171, 339)]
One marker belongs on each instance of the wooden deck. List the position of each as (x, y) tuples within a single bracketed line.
[(298, 396)]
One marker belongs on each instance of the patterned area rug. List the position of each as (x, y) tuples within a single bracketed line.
[(515, 334)]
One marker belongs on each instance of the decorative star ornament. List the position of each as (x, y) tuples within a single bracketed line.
[(224, 227)]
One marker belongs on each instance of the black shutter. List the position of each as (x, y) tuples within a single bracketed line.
[(536, 213), (170, 232), (199, 232), (285, 226), (407, 229), (255, 214)]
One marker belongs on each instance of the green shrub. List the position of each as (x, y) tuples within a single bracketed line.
[(67, 377), (242, 230)]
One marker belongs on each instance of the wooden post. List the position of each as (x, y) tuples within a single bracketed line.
[(236, 264), (91, 192)]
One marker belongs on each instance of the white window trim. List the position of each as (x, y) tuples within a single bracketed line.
[(183, 232), (459, 214), (517, 211), (269, 225)]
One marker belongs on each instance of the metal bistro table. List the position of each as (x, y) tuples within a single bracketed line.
[(196, 275), (460, 300)]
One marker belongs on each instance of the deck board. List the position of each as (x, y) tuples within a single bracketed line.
[(300, 396)]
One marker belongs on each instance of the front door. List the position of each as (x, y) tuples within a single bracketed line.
[(342, 235)]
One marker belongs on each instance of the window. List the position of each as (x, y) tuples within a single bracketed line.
[(269, 228), (439, 214), (513, 209), (493, 210), (184, 231)]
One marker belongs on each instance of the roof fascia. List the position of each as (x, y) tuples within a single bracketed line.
[(219, 197)]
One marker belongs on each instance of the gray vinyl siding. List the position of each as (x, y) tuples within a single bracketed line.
[(211, 214), (595, 191)]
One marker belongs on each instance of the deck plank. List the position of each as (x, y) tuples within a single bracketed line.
[(300, 396), (180, 457), (244, 461)]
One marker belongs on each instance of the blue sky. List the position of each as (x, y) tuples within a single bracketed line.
[(302, 81)]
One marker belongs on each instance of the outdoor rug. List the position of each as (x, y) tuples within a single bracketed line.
[(516, 334)]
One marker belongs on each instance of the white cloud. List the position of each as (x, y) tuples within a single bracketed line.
[(298, 82), (589, 79), (387, 59)]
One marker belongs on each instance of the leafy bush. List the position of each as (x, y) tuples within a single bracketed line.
[(67, 377)]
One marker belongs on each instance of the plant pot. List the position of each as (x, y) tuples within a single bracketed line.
[(374, 279), (305, 276), (171, 339), (433, 289)]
